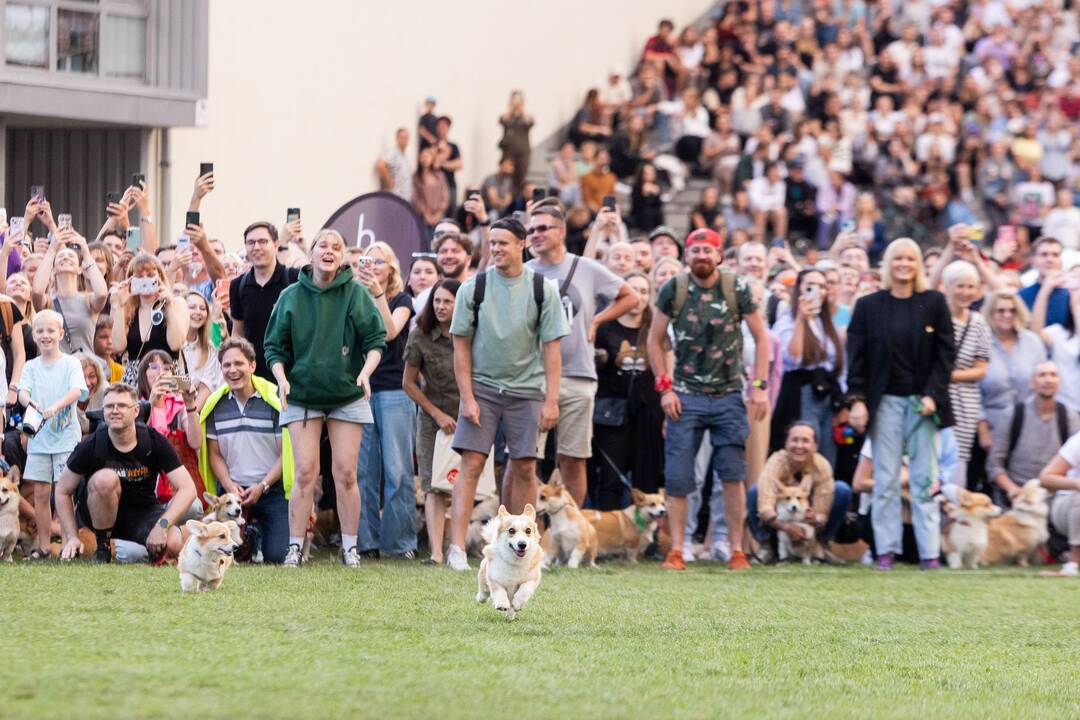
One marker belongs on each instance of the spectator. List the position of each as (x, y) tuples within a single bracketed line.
[(1014, 353), (1032, 200), (514, 144), (598, 183), (708, 214), (146, 318), (563, 177), (813, 356), (429, 353), (394, 168), (427, 125), (63, 267), (423, 273), (1063, 221), (1029, 434), (325, 365), (836, 204), (500, 375), (498, 189), (111, 477), (629, 147), (591, 122), (1057, 477), (706, 393), (448, 159), (665, 243), (646, 202), (103, 349), (246, 451), (620, 259), (643, 257), (721, 152), (798, 464), (252, 296), (51, 384), (664, 269), (690, 121), (1046, 259), (660, 54), (386, 451), (971, 333), (95, 380), (200, 353), (1061, 340), (900, 355), (767, 193), (431, 193), (584, 286), (800, 204)]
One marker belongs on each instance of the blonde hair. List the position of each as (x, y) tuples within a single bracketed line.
[(894, 248), (326, 233), (97, 397), (202, 340), (394, 285), (1020, 317), (44, 317)]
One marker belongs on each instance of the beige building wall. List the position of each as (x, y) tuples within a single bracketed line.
[(303, 97)]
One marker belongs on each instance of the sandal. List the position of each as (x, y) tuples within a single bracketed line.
[(38, 554)]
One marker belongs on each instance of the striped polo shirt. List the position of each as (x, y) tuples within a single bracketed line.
[(248, 437)]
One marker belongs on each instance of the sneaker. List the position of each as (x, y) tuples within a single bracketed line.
[(351, 557), (674, 561), (293, 557), (103, 554), (456, 559), (688, 553), (373, 554), (408, 555), (884, 562), (1069, 569), (932, 564), (738, 561), (720, 551)]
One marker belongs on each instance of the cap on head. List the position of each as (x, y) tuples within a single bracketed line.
[(704, 235), (663, 231)]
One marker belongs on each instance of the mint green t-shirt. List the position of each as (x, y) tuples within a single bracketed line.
[(506, 351)]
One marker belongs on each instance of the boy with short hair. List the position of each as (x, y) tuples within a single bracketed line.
[(52, 383)]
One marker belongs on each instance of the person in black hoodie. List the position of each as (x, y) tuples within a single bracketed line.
[(900, 358), (323, 342)]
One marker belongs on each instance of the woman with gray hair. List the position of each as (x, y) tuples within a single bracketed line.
[(972, 335), (1014, 353)]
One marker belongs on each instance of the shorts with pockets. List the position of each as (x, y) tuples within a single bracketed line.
[(724, 416), (45, 467), (520, 418)]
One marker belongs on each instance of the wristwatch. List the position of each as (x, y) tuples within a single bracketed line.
[(147, 219), (265, 487), (163, 523), (760, 384)]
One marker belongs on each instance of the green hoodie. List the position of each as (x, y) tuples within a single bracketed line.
[(321, 336)]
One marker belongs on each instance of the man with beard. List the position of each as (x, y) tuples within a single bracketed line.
[(583, 285), (252, 296), (705, 309)]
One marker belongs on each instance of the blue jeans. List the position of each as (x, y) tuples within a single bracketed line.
[(271, 514), (837, 513), (818, 412), (386, 465), (897, 429), (724, 416)]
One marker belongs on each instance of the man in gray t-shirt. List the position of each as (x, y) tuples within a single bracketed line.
[(589, 284)]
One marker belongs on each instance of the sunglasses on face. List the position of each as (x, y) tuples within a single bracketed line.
[(540, 229)]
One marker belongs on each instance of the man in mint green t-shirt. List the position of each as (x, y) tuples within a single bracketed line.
[(507, 362)]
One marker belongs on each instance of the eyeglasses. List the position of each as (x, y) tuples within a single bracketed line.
[(257, 241), (375, 261), (113, 407), (540, 229)]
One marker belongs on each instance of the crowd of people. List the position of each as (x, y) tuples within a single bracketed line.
[(877, 298)]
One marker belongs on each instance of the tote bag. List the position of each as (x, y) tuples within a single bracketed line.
[(446, 466)]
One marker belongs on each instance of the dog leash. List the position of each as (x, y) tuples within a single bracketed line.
[(623, 478)]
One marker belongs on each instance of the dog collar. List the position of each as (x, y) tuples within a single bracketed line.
[(638, 520), (963, 523)]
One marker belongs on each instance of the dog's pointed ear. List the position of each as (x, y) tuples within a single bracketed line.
[(555, 480), (637, 496), (503, 512), (529, 512), (210, 498), (195, 527), (234, 531)]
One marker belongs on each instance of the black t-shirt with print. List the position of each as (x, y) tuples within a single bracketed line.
[(619, 359), (388, 375), (138, 469)]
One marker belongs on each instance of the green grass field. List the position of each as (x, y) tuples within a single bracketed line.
[(402, 640)]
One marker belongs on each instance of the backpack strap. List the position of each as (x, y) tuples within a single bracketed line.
[(1062, 422), (1014, 431), (727, 288), (569, 277), (682, 291), (538, 294), (479, 288)]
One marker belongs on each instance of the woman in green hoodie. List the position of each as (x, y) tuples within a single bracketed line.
[(324, 339)]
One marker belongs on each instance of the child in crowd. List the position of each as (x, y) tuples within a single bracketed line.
[(52, 383)]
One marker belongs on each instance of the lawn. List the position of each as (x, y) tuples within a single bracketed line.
[(396, 639)]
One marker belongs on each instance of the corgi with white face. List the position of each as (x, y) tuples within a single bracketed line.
[(207, 554), (510, 571)]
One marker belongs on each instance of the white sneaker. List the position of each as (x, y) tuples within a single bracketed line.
[(456, 559), (1069, 569), (293, 557), (688, 553), (351, 557), (720, 550)]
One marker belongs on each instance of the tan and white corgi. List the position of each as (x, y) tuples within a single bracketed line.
[(207, 554), (630, 531), (510, 571), (570, 538)]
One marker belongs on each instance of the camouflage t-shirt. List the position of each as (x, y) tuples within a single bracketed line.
[(708, 341)]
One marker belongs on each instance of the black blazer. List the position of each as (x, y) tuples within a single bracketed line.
[(868, 349)]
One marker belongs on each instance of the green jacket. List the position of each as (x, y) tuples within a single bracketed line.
[(268, 392), (321, 336)]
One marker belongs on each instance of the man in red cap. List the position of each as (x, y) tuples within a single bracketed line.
[(706, 308)]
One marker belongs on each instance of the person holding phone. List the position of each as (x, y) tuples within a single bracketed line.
[(813, 355), (431, 192), (901, 353), (67, 259), (146, 315), (323, 342)]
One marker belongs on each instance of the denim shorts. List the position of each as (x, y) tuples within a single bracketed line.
[(358, 411), (45, 467), (724, 416)]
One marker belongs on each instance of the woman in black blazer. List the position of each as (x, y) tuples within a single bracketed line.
[(900, 358)]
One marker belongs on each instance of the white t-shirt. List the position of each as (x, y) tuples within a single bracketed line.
[(1070, 451), (1065, 351), (1063, 224), (765, 195)]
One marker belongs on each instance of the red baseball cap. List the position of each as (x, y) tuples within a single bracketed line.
[(704, 235)]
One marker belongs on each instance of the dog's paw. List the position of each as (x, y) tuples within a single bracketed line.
[(502, 608), (481, 597), (510, 614)]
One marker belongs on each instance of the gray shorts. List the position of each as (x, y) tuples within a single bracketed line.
[(519, 416), (358, 411), (45, 467)]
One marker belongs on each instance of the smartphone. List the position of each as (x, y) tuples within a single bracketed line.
[(37, 191), (182, 383), (113, 197), (134, 239), (205, 168), (539, 194), (63, 221), (363, 261), (609, 202), (292, 215), (183, 243), (847, 226), (192, 218), (976, 234), (472, 194), (138, 180), (18, 226), (778, 242), (144, 285), (1007, 232)]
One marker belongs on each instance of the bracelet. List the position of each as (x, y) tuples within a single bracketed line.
[(264, 486), (190, 409), (147, 219), (663, 383), (486, 223)]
